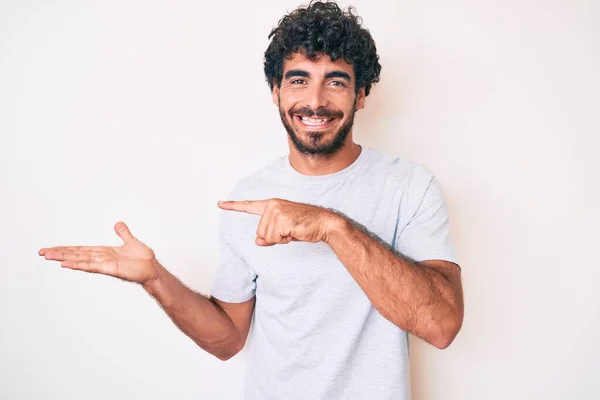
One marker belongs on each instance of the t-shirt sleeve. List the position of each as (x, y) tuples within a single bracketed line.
[(235, 282), (426, 232)]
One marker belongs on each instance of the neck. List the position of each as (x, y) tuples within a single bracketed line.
[(324, 165)]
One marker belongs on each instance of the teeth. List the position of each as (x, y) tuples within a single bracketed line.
[(314, 121)]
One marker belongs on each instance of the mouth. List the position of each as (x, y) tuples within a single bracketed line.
[(315, 122)]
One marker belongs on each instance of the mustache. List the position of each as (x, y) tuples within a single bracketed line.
[(320, 112)]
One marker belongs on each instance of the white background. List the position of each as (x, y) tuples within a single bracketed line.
[(149, 112)]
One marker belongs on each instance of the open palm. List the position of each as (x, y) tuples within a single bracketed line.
[(132, 261)]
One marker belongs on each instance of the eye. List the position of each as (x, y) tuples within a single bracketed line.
[(297, 81), (338, 83)]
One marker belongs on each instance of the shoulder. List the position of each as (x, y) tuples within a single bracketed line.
[(412, 183), (408, 172)]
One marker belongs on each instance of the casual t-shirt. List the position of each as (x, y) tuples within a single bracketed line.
[(315, 334)]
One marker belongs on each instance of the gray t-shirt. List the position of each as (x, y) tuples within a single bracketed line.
[(315, 334)]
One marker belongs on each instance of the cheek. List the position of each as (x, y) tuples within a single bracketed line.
[(292, 98), (349, 107)]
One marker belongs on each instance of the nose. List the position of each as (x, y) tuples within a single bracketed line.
[(317, 97)]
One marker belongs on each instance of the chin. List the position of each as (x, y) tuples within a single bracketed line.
[(325, 145)]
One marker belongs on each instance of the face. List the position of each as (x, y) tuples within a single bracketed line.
[(317, 101)]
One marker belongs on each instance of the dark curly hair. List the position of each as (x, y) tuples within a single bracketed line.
[(323, 28)]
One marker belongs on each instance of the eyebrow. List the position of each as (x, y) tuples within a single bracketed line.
[(338, 74), (333, 74), (296, 72)]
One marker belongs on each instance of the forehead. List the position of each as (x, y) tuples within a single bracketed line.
[(321, 65)]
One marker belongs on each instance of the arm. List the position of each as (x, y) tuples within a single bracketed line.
[(422, 298), (219, 328)]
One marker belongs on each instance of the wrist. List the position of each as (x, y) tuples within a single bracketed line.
[(152, 284), (335, 225)]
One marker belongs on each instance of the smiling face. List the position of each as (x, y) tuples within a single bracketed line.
[(317, 101)]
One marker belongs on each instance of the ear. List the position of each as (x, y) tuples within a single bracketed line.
[(360, 99), (275, 93)]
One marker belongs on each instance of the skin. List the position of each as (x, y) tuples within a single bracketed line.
[(133, 261), (422, 298), (334, 94)]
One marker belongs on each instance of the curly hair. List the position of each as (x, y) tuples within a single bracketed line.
[(323, 28)]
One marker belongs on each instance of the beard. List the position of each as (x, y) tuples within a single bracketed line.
[(316, 145)]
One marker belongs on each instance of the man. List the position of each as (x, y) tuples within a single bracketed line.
[(336, 250)]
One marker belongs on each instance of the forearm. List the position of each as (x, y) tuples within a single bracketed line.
[(197, 316), (415, 298)]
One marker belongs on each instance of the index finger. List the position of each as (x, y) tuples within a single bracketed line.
[(256, 207), (67, 249)]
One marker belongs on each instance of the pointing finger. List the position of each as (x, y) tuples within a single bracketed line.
[(69, 249), (256, 207)]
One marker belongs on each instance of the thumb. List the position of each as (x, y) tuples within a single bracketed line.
[(123, 231)]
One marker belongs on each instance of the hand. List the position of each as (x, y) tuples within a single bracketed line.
[(284, 221), (133, 261)]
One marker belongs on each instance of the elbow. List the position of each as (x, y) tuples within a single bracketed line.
[(446, 332), (224, 353), (443, 341), (223, 348), (446, 336), (224, 356)]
